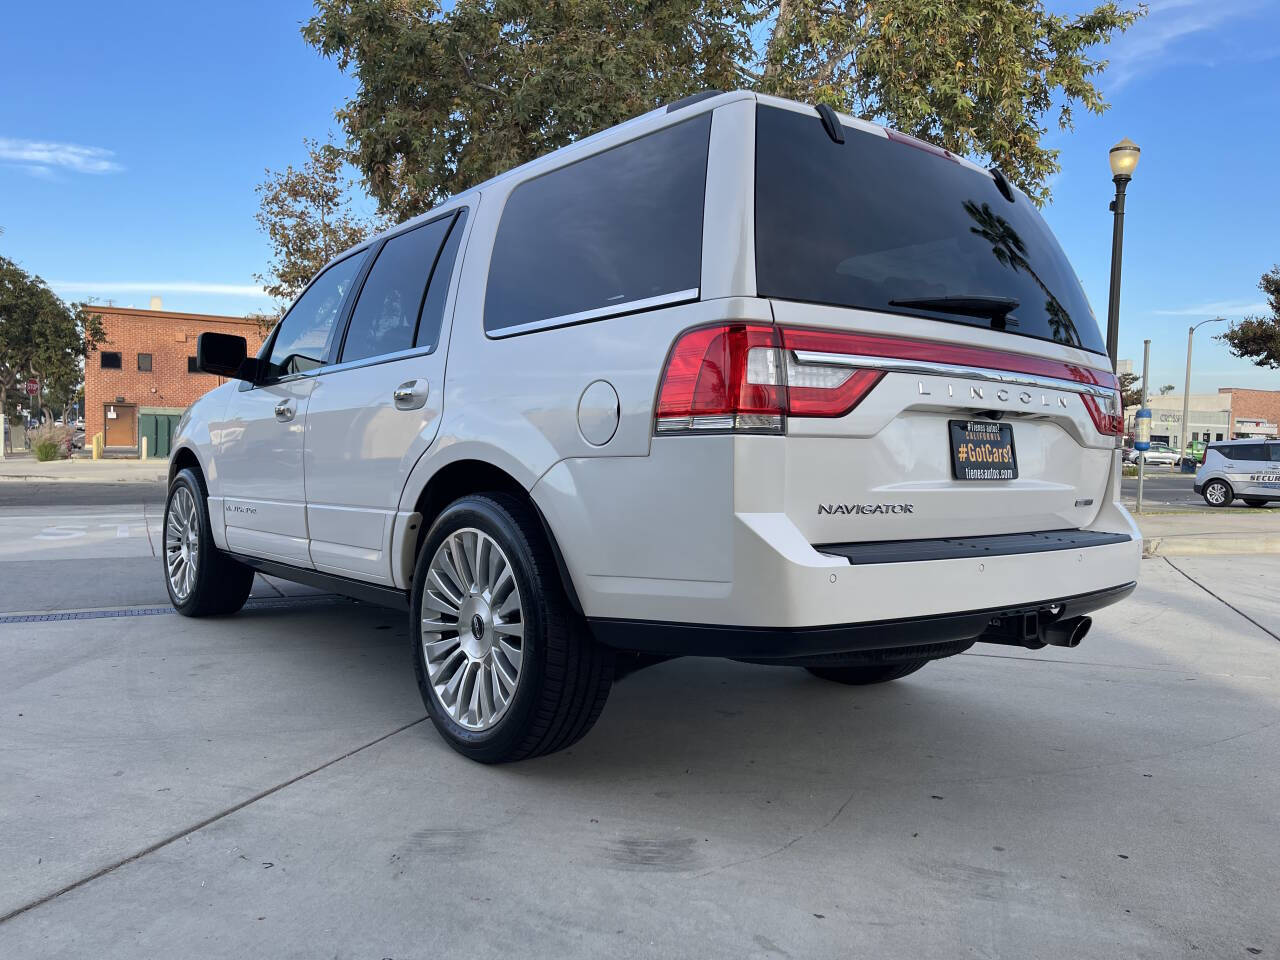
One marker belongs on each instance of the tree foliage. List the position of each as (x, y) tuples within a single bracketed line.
[(449, 98), (1258, 338), (1131, 390), (42, 337), (307, 215)]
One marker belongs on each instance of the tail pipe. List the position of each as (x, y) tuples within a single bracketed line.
[(1037, 630)]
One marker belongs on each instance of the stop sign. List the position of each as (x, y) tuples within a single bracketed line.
[(33, 387)]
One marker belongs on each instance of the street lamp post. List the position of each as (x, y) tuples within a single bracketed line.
[(1185, 439), (1124, 159)]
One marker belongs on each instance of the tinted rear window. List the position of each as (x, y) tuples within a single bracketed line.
[(872, 220), (618, 227), (1245, 451)]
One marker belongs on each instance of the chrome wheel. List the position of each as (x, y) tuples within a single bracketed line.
[(1216, 494), (182, 543), (472, 629)]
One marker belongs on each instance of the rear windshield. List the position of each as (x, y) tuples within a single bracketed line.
[(877, 223)]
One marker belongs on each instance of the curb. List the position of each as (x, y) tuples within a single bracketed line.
[(1202, 545)]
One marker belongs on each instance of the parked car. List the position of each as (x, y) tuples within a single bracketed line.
[(738, 378), (1159, 453), (1244, 469)]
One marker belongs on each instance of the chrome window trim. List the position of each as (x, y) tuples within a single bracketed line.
[(598, 313), (929, 368), (370, 361)]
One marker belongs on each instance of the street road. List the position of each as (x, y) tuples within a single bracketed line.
[(1163, 486), (63, 493)]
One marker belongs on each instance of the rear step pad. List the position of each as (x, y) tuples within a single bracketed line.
[(959, 548)]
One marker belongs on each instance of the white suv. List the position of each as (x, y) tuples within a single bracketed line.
[(737, 378)]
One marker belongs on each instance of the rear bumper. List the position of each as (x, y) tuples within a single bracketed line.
[(782, 644), (1197, 488)]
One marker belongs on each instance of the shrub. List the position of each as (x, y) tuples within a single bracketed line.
[(50, 442)]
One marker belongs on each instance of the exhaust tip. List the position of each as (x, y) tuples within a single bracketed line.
[(1068, 633)]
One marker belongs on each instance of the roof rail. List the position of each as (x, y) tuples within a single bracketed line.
[(692, 99)]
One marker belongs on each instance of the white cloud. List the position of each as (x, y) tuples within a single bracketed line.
[(1154, 40), (1219, 308), (119, 286), (40, 157)]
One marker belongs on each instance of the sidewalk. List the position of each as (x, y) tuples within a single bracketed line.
[(1230, 531), (83, 470)]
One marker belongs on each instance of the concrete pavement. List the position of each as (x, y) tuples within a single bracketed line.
[(257, 786)]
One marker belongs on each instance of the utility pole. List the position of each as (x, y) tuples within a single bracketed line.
[(1185, 438), (1142, 404)]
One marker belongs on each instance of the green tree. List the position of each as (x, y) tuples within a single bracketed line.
[(1167, 389), (307, 215), (1131, 390), (1258, 338), (449, 98), (42, 337)]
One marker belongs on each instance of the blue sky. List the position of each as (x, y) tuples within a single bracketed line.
[(132, 136)]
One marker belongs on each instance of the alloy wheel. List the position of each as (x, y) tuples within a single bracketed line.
[(182, 543), (472, 629)]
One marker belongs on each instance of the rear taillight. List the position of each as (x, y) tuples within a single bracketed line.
[(727, 377), (734, 377), (1107, 414)]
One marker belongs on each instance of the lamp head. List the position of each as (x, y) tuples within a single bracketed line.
[(1124, 158)]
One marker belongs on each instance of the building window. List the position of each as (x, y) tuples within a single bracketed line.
[(191, 365), (144, 363), (1219, 437), (110, 360)]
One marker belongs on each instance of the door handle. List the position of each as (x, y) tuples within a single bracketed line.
[(411, 395), (285, 410)]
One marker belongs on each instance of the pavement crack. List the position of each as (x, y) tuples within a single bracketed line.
[(187, 831), (1225, 603)]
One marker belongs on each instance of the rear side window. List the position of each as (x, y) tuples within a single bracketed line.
[(615, 229), (438, 292), (880, 224), (385, 317), (1274, 449), (1246, 451), (303, 335)]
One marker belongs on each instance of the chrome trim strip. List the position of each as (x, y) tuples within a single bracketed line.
[(598, 313), (929, 368)]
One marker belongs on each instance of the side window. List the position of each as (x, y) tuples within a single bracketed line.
[(621, 226), (385, 317), (433, 307), (1274, 448), (303, 334), (1248, 451)]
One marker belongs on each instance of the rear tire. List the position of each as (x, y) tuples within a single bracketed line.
[(202, 580), (500, 608), (860, 676), (1218, 493), (1255, 502)]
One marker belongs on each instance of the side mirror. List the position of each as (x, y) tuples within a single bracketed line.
[(222, 354)]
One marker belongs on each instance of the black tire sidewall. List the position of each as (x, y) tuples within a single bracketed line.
[(488, 516), (204, 547)]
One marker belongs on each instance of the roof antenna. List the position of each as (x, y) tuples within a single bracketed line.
[(1002, 183), (831, 123)]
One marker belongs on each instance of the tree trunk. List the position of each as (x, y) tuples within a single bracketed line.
[(779, 28)]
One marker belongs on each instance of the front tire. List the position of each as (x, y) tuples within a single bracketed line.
[(506, 668), (202, 580), (860, 676), (1218, 493)]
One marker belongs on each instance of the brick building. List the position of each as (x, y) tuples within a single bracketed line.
[(1254, 412), (141, 378)]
